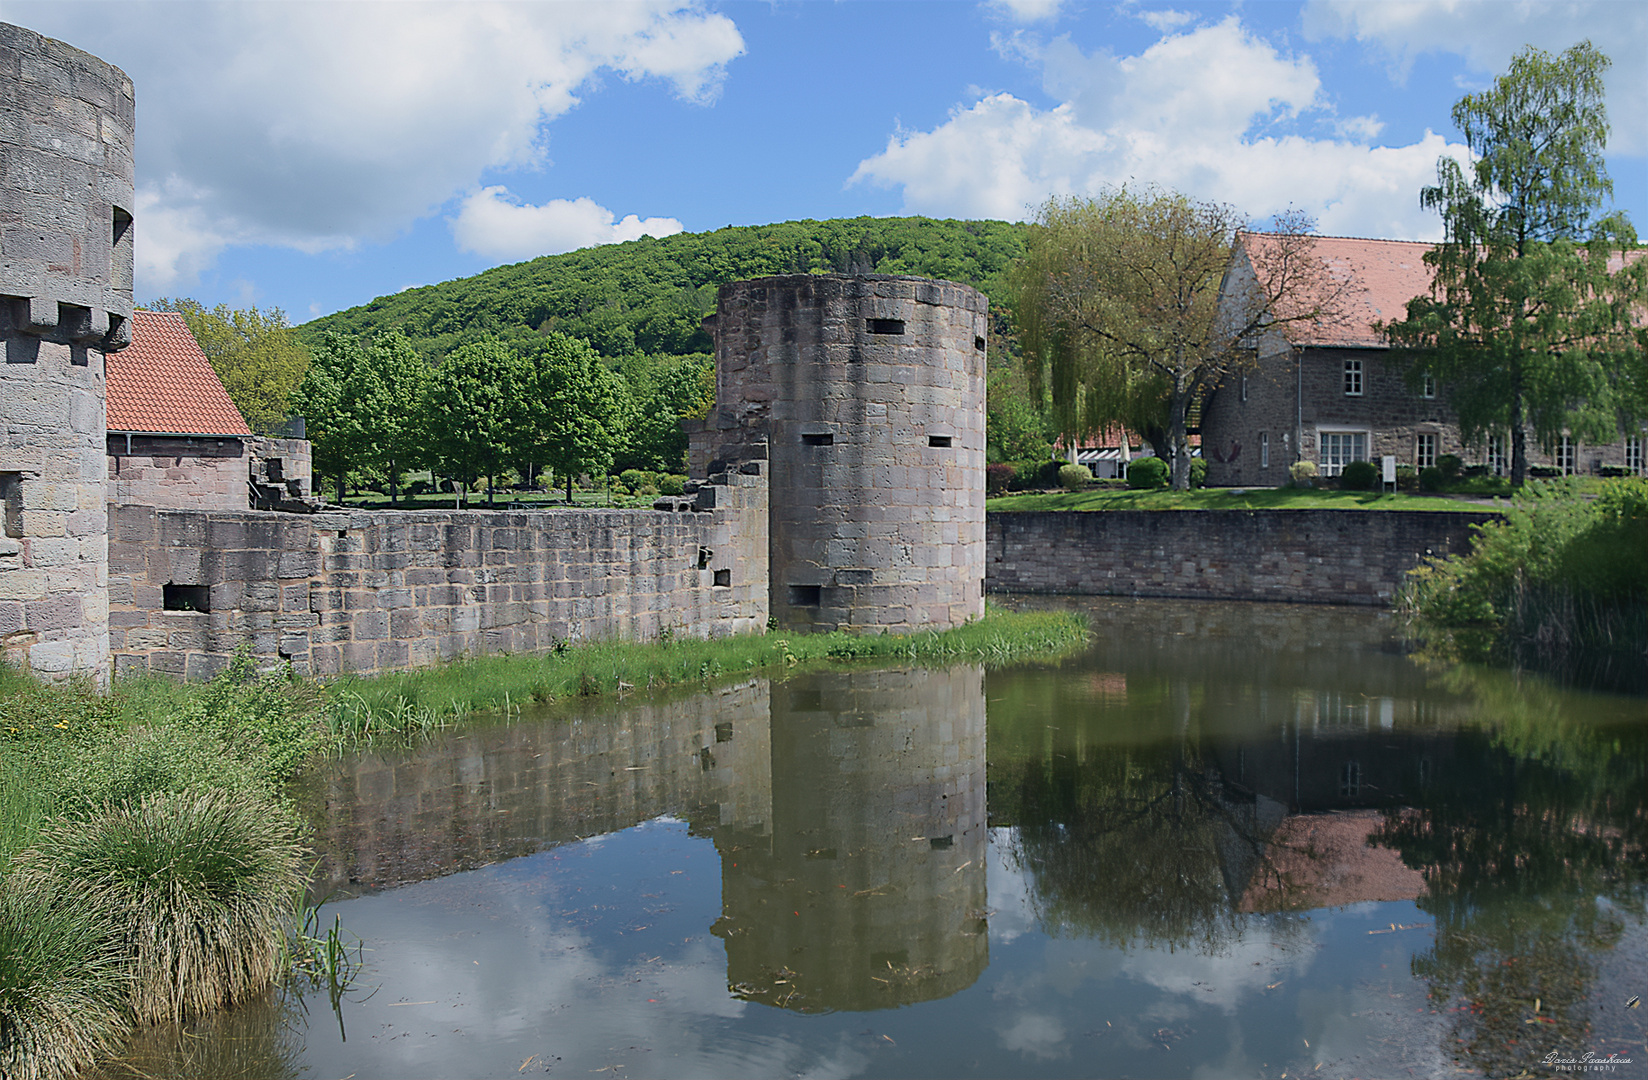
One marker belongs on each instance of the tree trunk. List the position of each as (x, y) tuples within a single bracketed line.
[(1177, 410), (491, 483), (393, 488), (340, 489), (569, 487), (1519, 440)]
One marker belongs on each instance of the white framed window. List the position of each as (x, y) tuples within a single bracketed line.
[(1633, 453), (1264, 450), (1427, 385), (1353, 378), (1498, 461), (1340, 448), (1566, 455), (1424, 450)]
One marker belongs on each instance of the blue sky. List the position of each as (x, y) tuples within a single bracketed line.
[(312, 156)]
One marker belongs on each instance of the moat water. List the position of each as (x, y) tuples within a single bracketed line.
[(1226, 840)]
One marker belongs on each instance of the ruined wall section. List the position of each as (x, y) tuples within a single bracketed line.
[(66, 127), (377, 591), (866, 395)]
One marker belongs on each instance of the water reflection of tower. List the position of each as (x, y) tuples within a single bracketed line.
[(869, 891)]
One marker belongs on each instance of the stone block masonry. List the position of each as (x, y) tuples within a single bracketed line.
[(65, 302), (378, 591), (1299, 556)]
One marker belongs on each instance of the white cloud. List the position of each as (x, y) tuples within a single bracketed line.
[(492, 223), (321, 126), (1487, 33), (1026, 11), (1205, 112)]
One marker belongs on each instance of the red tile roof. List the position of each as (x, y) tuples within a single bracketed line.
[(1383, 275), (163, 384)]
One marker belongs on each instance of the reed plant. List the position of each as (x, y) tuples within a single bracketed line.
[(193, 884), (62, 985)]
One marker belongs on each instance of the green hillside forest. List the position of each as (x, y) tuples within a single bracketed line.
[(649, 296)]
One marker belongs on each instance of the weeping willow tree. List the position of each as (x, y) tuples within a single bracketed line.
[(1129, 311)]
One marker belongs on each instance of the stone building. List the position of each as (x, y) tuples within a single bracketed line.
[(66, 132), (866, 396), (1327, 392), (175, 440)]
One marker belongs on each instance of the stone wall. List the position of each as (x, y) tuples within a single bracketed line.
[(177, 473), (1300, 556), (376, 591)]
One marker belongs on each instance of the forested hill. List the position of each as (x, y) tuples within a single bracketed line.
[(650, 295)]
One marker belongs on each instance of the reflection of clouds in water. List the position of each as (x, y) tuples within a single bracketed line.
[(1246, 966), (843, 1061), (1040, 1037), (503, 958), (1008, 890)]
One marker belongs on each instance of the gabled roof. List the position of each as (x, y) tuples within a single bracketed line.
[(1382, 276), (162, 383)]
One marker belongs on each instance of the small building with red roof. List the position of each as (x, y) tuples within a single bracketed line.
[(1324, 391), (175, 440)]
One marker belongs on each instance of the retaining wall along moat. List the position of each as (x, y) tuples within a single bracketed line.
[(1300, 556)]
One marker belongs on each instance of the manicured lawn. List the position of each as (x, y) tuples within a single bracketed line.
[(1231, 499), (477, 500)]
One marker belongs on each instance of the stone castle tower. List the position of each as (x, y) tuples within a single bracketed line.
[(66, 129), (866, 394)]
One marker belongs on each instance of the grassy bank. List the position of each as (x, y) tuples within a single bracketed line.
[(1560, 584), (151, 867), (1281, 498)]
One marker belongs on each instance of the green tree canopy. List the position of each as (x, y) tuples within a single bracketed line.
[(361, 401), (1119, 308), (665, 390), (256, 354), (471, 410), (1530, 317), (575, 413)]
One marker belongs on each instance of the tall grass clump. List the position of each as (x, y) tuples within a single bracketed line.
[(62, 986), (1562, 576), (195, 887)]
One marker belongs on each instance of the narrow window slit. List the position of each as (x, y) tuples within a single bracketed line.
[(818, 438), (939, 440), (885, 326), (806, 595)]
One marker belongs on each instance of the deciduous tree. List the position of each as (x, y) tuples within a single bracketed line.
[(255, 353), (471, 411), (1119, 308), (575, 412), (361, 401), (1534, 312)]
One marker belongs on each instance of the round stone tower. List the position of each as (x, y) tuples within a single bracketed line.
[(866, 394), (66, 126)]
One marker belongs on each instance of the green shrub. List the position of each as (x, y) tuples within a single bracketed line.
[(62, 985), (1075, 477), (1431, 479), (1561, 573), (1450, 466), (997, 478), (1198, 472), (1359, 476), (1146, 473), (197, 886), (671, 485), (1302, 473), (1407, 478)]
